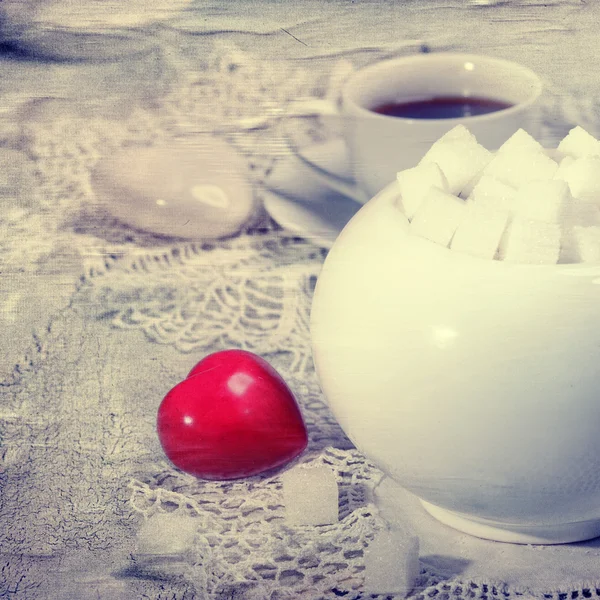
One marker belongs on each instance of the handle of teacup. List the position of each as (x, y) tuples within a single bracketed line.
[(324, 109)]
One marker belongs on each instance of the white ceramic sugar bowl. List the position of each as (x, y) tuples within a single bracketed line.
[(474, 384)]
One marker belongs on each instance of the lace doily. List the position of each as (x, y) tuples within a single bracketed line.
[(252, 292), (242, 538)]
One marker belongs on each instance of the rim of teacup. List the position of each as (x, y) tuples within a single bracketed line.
[(352, 85), (390, 193)]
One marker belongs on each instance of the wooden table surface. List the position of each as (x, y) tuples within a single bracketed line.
[(557, 38), (107, 58)]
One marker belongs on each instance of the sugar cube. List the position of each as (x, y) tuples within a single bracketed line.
[(480, 231), (517, 168), (310, 495), (494, 194), (415, 183), (166, 535), (563, 167), (578, 143), (532, 242), (585, 244), (438, 216), (583, 177), (546, 200), (469, 187), (520, 141), (458, 133), (583, 214), (459, 156), (392, 563)]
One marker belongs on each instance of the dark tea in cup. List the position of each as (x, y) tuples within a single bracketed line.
[(491, 97), (442, 107)]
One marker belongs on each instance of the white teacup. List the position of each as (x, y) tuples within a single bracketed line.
[(380, 145)]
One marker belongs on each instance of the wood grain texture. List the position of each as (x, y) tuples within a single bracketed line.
[(99, 380), (557, 38)]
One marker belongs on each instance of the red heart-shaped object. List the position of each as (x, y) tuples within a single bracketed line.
[(233, 416)]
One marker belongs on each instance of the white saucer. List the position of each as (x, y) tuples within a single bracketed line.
[(299, 200)]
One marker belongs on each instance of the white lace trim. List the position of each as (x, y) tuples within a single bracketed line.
[(242, 535), (252, 293)]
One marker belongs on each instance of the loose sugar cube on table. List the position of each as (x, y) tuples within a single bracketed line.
[(517, 168), (530, 242), (520, 141), (459, 156), (166, 535), (438, 216), (392, 563), (585, 244), (480, 231), (310, 495), (578, 143), (548, 200), (494, 194), (416, 182), (583, 177)]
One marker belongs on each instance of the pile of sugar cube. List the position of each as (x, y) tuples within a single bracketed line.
[(520, 204)]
